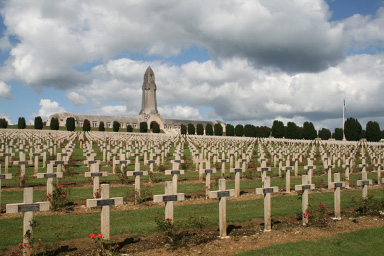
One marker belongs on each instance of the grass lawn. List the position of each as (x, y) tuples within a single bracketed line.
[(362, 242)]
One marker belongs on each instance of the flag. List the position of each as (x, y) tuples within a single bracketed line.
[(345, 106)]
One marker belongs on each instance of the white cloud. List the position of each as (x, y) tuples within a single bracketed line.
[(180, 112), (5, 91), (57, 37), (113, 110), (76, 98), (48, 107)]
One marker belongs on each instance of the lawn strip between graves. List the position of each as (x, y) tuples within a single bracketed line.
[(142, 221), (361, 242), (15, 195)]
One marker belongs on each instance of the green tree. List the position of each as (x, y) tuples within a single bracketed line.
[(209, 130), (70, 124), (38, 125), (54, 125), (338, 134), (101, 127), (372, 131), (324, 134), (143, 127), (129, 128), (264, 132), (21, 123), (230, 130), (309, 131), (278, 129), (292, 131), (116, 126), (352, 129), (218, 130), (249, 130), (155, 127), (3, 123), (239, 130), (191, 129), (183, 129), (200, 129), (86, 125)]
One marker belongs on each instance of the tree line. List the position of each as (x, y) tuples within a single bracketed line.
[(353, 129)]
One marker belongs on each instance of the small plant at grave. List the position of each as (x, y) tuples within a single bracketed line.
[(122, 174), (208, 188), (368, 206), (250, 174), (103, 247), (319, 170), (96, 194), (167, 228), (198, 223), (154, 177), (58, 199), (319, 183), (319, 217), (160, 168), (218, 166), (300, 195), (145, 194)]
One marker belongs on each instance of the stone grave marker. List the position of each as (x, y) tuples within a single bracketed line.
[(49, 176), (6, 176), (304, 187), (168, 198), (337, 185), (364, 182), (222, 194), (27, 207), (137, 175), (267, 190), (105, 202)]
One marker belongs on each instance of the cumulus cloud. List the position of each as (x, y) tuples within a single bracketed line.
[(180, 112), (236, 92), (48, 107), (77, 99), (5, 91), (55, 38)]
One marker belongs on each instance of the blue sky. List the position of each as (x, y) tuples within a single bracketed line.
[(248, 62)]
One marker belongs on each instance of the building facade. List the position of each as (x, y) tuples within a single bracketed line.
[(148, 113)]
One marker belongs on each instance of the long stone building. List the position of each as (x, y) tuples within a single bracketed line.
[(148, 113)]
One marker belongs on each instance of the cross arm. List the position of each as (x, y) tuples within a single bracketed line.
[(105, 202), (34, 207)]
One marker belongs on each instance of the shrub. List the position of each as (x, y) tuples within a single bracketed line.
[(239, 130), (218, 130), (70, 124), (208, 130), (101, 127), (54, 125), (230, 130), (199, 129), (129, 128), (21, 123), (191, 129), (38, 123), (86, 125), (155, 127), (3, 123), (183, 129), (143, 127), (116, 126)]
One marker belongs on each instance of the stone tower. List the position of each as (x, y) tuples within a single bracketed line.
[(149, 102)]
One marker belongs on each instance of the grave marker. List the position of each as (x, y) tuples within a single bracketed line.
[(304, 187), (222, 194), (168, 198), (105, 202), (266, 191), (27, 207)]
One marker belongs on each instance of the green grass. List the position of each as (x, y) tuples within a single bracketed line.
[(142, 221), (362, 242)]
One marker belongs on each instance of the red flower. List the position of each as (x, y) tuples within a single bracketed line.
[(117, 246), (99, 235), (63, 195), (92, 235)]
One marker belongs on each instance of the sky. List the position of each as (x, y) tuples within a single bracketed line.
[(240, 61)]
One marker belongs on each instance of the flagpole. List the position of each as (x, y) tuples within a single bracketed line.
[(344, 120)]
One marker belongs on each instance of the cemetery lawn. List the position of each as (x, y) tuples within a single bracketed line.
[(361, 242)]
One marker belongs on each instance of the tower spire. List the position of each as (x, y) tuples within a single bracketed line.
[(149, 101)]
